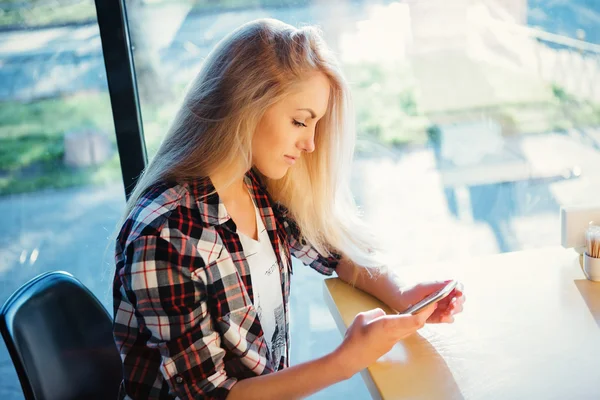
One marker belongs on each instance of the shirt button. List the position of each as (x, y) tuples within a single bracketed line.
[(178, 379)]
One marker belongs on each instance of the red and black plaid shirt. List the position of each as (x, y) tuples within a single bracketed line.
[(184, 320)]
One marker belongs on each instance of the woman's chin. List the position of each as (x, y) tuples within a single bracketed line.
[(274, 173), (279, 175)]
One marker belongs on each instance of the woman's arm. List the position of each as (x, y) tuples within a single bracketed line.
[(167, 303), (295, 382), (386, 286), (391, 290), (371, 335), (304, 251)]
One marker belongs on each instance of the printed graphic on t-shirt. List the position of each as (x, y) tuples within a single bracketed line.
[(258, 307), (267, 290), (271, 269), (278, 339)]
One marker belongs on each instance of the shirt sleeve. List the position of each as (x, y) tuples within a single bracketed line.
[(170, 303), (306, 253)]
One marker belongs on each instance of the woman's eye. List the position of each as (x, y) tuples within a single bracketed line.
[(298, 123)]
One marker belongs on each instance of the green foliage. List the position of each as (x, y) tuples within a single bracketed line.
[(385, 103), (31, 141)]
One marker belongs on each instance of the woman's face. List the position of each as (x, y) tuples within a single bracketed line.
[(287, 129)]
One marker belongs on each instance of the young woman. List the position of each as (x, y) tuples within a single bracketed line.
[(254, 169)]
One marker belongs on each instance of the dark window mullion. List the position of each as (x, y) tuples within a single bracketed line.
[(122, 86)]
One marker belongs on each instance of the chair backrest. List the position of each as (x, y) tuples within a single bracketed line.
[(59, 337)]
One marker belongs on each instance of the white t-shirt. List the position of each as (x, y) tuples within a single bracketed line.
[(266, 286)]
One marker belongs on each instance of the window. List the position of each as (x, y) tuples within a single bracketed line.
[(476, 120), (61, 191)]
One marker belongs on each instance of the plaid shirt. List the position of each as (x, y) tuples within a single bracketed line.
[(184, 320)]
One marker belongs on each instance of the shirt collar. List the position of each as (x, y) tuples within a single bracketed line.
[(211, 207)]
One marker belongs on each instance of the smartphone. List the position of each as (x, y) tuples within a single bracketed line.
[(432, 298)]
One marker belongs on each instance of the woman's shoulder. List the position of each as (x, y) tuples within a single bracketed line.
[(156, 208)]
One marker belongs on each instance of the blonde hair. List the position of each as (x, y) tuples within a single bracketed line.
[(252, 68)]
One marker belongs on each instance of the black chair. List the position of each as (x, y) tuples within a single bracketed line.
[(59, 337)]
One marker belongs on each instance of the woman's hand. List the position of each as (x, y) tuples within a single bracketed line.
[(373, 333), (447, 307)]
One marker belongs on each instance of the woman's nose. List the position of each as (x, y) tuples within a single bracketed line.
[(307, 144)]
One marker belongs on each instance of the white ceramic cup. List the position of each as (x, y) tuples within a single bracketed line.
[(591, 268)]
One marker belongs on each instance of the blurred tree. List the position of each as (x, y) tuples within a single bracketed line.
[(154, 87)]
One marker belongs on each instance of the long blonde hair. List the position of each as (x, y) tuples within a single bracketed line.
[(248, 71)]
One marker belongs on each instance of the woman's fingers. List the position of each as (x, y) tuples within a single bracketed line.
[(455, 307), (448, 319), (445, 312), (425, 313), (370, 315)]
